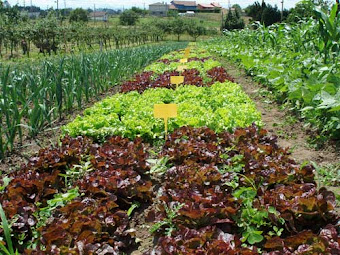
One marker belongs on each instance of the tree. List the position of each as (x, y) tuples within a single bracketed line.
[(139, 11), (79, 15), (304, 9), (270, 15), (128, 18), (178, 27), (237, 7), (233, 20), (195, 29), (265, 13)]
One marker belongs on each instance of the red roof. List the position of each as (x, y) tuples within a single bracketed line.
[(217, 5), (206, 5), (185, 3), (172, 7)]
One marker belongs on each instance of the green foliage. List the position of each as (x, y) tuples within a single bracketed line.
[(264, 13), (233, 20), (298, 62), (79, 15), (7, 232), (158, 166), (178, 27), (223, 106), (252, 220), (329, 31), (195, 29), (203, 67), (128, 18), (167, 223), (139, 11), (33, 96)]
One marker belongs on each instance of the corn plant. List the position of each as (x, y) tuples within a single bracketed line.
[(329, 27)]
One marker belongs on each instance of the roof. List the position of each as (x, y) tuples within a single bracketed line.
[(207, 5), (216, 5), (159, 3), (185, 3), (172, 7), (98, 14)]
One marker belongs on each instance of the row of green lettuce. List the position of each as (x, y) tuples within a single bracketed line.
[(223, 106), (290, 60)]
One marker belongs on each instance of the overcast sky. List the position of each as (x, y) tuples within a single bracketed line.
[(119, 4)]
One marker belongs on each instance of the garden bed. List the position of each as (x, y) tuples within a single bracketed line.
[(216, 184)]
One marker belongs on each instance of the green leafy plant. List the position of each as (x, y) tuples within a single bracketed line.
[(158, 166), (251, 220), (168, 223), (7, 232), (77, 171)]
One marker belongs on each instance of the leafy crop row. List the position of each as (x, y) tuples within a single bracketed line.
[(299, 62), (90, 215), (222, 106), (218, 192), (33, 96), (230, 189)]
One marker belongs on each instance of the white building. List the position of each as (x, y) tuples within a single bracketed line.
[(159, 9), (99, 16)]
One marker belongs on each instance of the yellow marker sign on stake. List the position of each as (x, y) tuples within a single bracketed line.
[(183, 60), (181, 68), (187, 52), (165, 111), (176, 80)]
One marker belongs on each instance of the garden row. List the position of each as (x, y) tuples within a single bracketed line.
[(216, 184), (34, 95), (298, 62)]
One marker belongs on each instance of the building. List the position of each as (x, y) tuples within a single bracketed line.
[(206, 7), (184, 5), (99, 16), (216, 5), (31, 15), (159, 9)]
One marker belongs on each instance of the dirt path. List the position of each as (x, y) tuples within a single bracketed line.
[(290, 131)]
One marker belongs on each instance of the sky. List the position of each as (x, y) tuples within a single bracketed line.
[(120, 4)]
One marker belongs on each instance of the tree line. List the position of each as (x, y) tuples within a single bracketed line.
[(267, 14)]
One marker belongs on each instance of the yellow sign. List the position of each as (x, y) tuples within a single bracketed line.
[(183, 60), (165, 111), (176, 80), (181, 68), (187, 52)]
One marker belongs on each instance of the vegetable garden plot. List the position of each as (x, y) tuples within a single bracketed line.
[(212, 191), (298, 62)]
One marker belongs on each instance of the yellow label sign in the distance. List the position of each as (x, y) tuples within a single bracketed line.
[(187, 52), (183, 60), (165, 111), (181, 68), (176, 80)]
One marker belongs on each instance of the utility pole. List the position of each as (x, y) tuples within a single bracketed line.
[(282, 11), (94, 13), (229, 5)]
